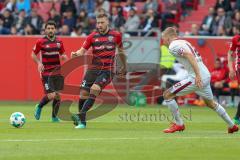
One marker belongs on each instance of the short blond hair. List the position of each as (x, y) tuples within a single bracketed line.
[(170, 32)]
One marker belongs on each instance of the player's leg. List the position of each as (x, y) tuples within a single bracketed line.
[(181, 88), (237, 116), (55, 107), (47, 98), (101, 81), (94, 92), (207, 95)]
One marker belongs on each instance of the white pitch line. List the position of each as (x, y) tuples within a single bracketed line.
[(115, 139)]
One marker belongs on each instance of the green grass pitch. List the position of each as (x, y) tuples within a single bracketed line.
[(125, 133)]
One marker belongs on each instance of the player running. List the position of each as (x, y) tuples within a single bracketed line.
[(235, 48), (51, 50), (104, 42), (198, 81)]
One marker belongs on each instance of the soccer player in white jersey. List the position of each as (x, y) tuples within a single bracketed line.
[(198, 81)]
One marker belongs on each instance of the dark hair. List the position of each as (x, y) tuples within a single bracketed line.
[(51, 23)]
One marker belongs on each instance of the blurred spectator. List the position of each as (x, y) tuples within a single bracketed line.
[(237, 5), (236, 18), (133, 21), (65, 31), (78, 31), (225, 4), (228, 24), (194, 30), (24, 4), (150, 4), (83, 5), (54, 16), (236, 29), (69, 19), (10, 5), (8, 19), (170, 11), (29, 30), (35, 20), (119, 7), (83, 21), (88, 6), (218, 78), (206, 26), (67, 5), (104, 4), (219, 22), (19, 21), (3, 30), (129, 5), (13, 30), (151, 21), (117, 20)]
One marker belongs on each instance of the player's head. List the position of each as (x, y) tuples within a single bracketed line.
[(168, 35), (102, 22), (50, 28)]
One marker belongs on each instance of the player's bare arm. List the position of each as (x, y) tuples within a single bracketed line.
[(122, 56), (38, 62), (195, 67), (79, 52), (230, 65)]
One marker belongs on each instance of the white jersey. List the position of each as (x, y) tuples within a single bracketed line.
[(177, 47)]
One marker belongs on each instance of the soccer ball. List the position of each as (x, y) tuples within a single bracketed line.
[(17, 119)]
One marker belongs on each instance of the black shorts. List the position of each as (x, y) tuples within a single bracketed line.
[(53, 83), (99, 77)]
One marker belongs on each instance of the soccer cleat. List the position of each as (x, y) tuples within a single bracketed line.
[(236, 121), (233, 129), (75, 119), (173, 128), (55, 119), (80, 126), (37, 113)]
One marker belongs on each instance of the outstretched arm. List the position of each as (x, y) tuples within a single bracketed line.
[(79, 52)]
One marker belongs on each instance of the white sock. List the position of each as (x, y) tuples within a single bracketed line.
[(223, 114), (173, 106)]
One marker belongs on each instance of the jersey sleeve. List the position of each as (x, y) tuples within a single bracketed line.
[(62, 49), (87, 43), (37, 47), (177, 50), (233, 45), (119, 40)]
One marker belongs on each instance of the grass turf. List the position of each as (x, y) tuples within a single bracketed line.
[(125, 133)]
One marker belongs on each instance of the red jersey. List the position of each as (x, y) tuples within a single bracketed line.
[(218, 74), (50, 53), (103, 48), (235, 48)]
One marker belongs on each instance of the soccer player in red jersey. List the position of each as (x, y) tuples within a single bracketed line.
[(104, 43), (50, 50), (235, 48)]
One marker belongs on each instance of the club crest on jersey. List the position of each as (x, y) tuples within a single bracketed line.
[(47, 46), (110, 38)]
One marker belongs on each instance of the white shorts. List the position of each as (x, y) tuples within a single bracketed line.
[(187, 86)]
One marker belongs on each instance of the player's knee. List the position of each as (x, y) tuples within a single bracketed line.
[(95, 89), (211, 103), (51, 96), (84, 94), (166, 95)]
